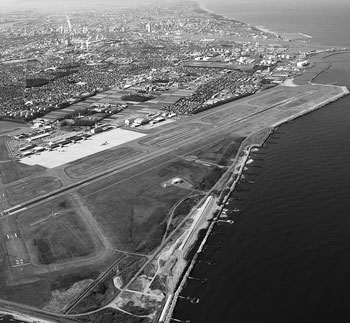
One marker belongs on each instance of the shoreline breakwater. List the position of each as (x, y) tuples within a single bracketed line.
[(236, 172)]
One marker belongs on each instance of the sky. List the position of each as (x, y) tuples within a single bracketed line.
[(276, 3), (241, 5), (60, 4)]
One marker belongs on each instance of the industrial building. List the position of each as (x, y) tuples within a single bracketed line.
[(41, 136)]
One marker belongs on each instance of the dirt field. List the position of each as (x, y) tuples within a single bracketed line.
[(26, 190), (100, 162), (132, 209)]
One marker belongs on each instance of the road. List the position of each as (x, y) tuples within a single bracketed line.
[(242, 125), (93, 285)]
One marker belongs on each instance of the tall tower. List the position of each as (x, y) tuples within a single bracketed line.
[(69, 24), (149, 27), (87, 42)]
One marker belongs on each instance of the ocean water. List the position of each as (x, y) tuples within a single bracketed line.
[(287, 256), (326, 21)]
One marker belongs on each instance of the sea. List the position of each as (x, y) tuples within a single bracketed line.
[(324, 20), (286, 257)]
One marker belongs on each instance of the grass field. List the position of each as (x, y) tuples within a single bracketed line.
[(220, 152), (34, 294), (182, 210), (4, 154), (61, 239), (13, 171), (7, 126), (100, 162), (26, 190), (220, 148), (55, 233), (16, 250), (133, 209), (267, 99), (174, 135)]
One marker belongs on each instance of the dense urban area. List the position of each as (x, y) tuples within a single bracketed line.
[(123, 129), (49, 62)]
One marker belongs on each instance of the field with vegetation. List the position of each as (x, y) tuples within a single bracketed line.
[(218, 149), (221, 152), (105, 291), (12, 171), (3, 149), (8, 126), (110, 315), (133, 208), (100, 162), (33, 187), (55, 232)]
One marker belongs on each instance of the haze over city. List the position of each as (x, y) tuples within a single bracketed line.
[(174, 161)]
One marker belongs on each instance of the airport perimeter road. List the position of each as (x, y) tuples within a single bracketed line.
[(120, 168), (246, 120), (243, 124)]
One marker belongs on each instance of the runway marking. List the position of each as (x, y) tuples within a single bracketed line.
[(130, 177)]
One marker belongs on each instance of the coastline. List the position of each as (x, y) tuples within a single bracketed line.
[(305, 35), (282, 35), (202, 6), (235, 171), (238, 168)]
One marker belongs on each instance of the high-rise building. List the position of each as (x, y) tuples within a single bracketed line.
[(69, 24)]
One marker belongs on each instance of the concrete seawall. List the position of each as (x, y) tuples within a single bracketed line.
[(313, 108), (237, 169)]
